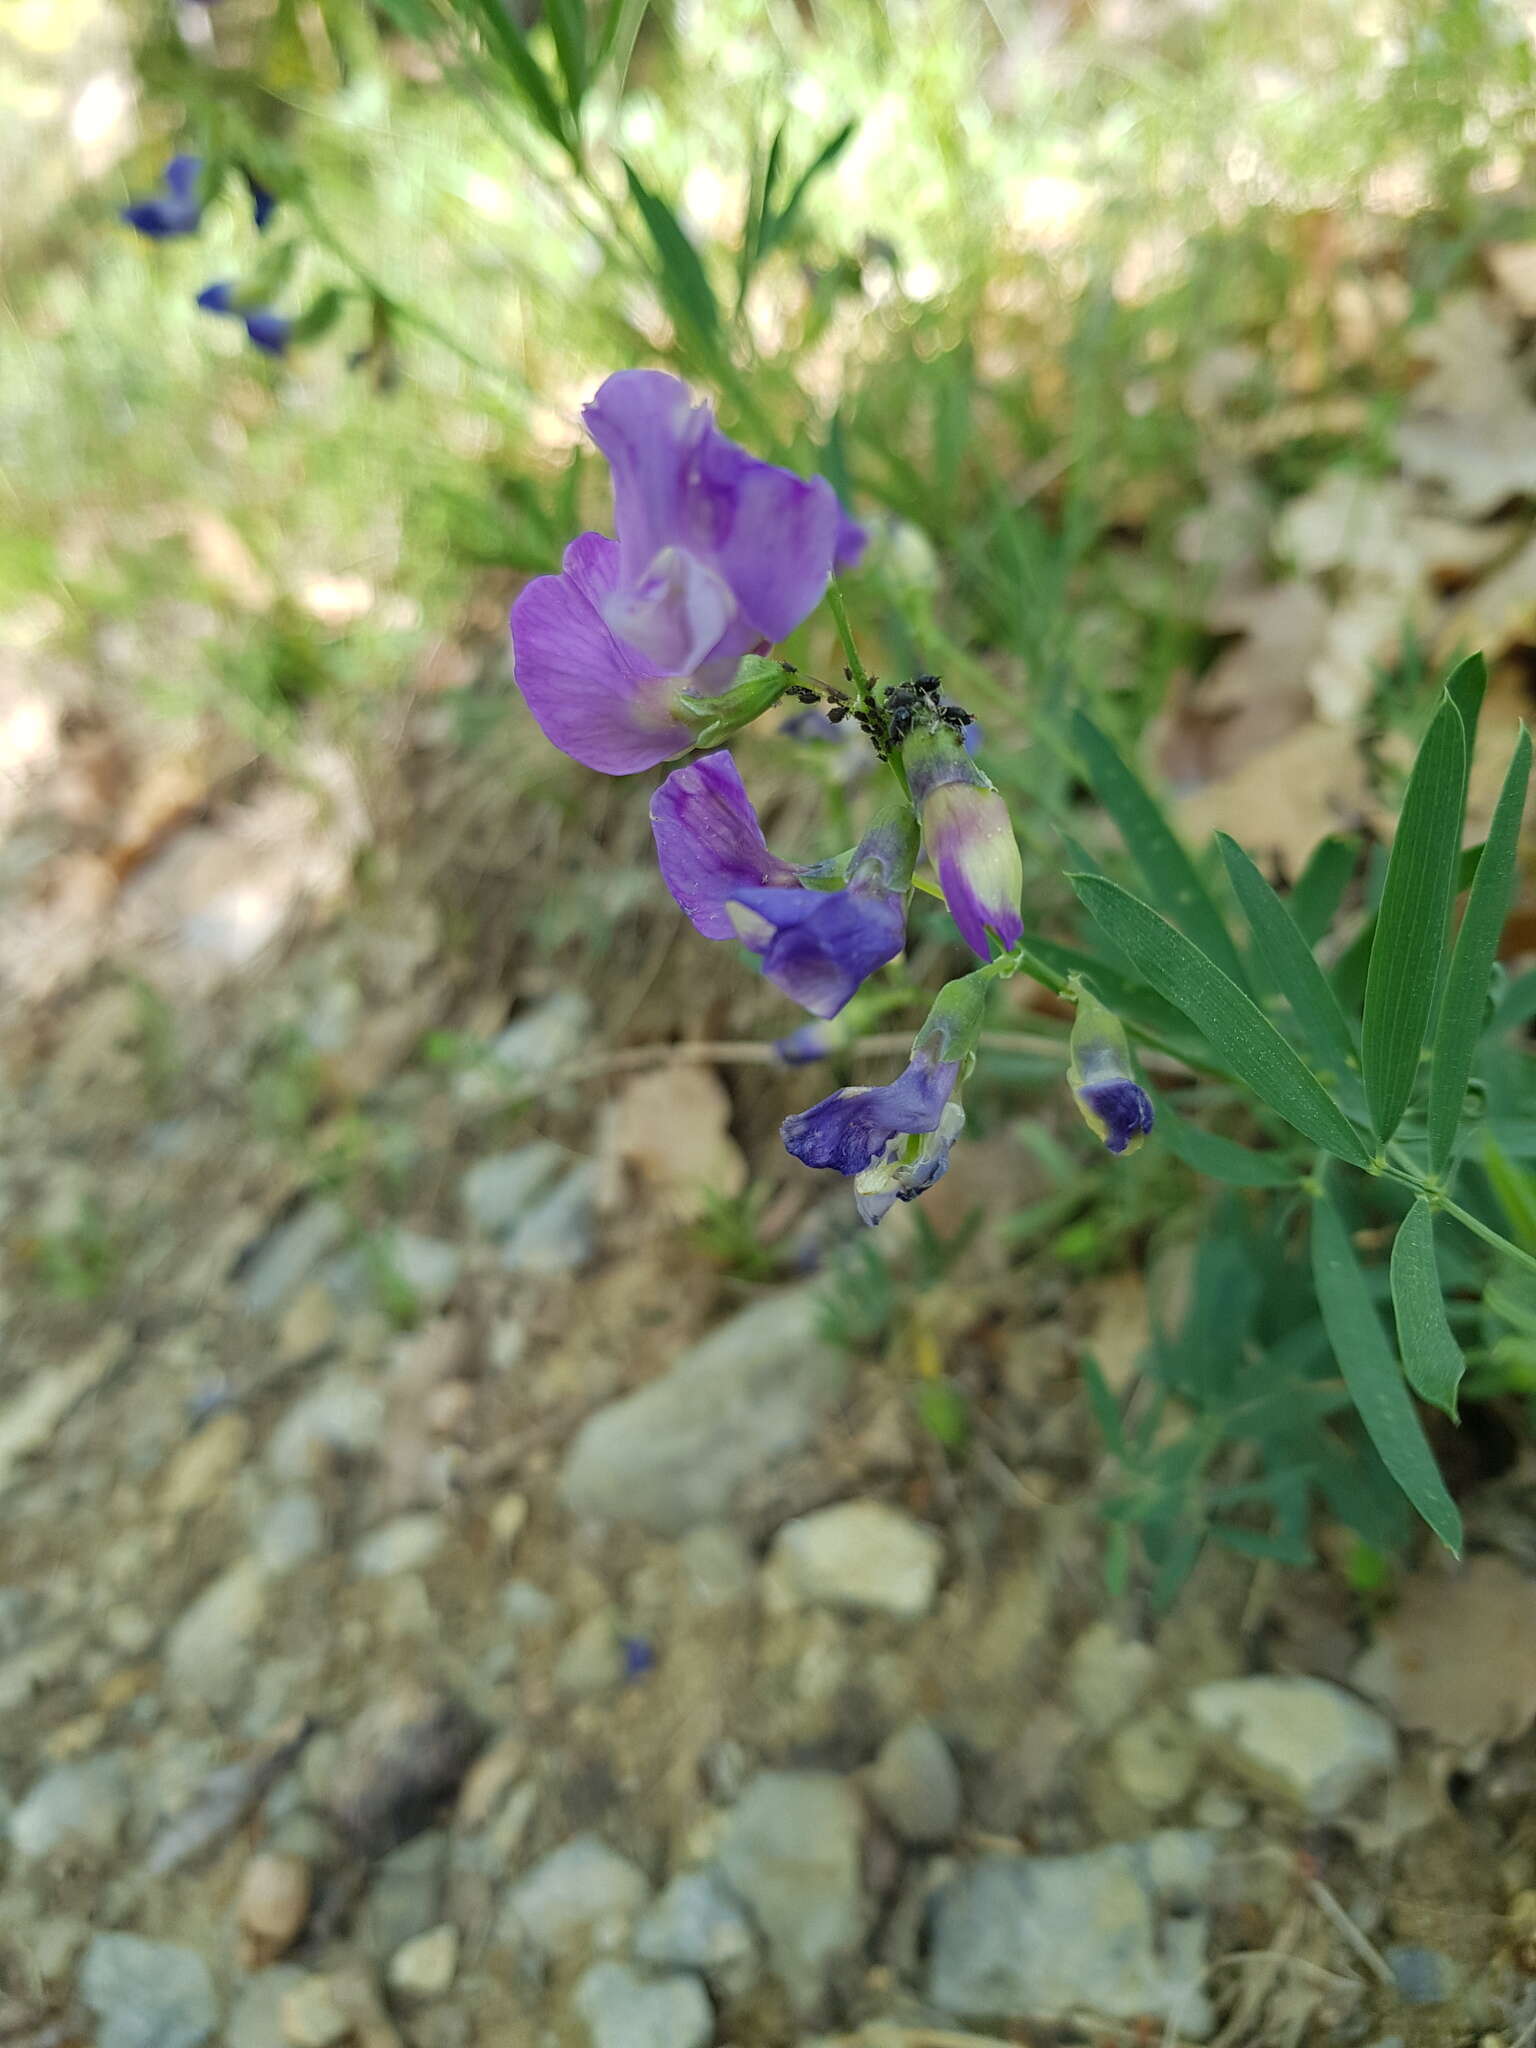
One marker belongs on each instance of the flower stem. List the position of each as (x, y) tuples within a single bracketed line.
[(857, 674)]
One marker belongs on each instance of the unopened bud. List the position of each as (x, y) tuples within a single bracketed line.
[(968, 836), (1115, 1107)]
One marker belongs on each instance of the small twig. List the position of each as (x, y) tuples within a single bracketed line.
[(1346, 1929), (751, 1052)]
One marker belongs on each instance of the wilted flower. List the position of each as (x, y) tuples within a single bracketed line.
[(818, 945), (894, 1141), (968, 836), (1115, 1107), (179, 210), (717, 554)]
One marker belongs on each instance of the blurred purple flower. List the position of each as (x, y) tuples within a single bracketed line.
[(268, 331), (263, 201), (717, 554), (179, 211), (806, 1044)]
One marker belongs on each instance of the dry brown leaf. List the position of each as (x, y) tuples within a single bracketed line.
[(1281, 801), (1496, 614), (1254, 695), (226, 561), (1457, 1657), (1471, 429), (670, 1132), (1513, 265)]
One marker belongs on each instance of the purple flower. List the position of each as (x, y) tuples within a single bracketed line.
[(892, 1142), (820, 946), (269, 331), (1115, 1107), (179, 211), (968, 836), (817, 945), (594, 698), (852, 540), (806, 1044), (710, 845), (717, 554), (263, 201)]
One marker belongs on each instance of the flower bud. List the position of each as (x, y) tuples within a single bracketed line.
[(1115, 1107), (968, 836), (759, 684)]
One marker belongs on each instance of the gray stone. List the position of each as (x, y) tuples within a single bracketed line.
[(291, 1530), (498, 1192), (915, 1784), (404, 1544), (592, 1660), (580, 1890), (527, 1606), (209, 1651), (622, 2009), (424, 1966), (76, 1806), (147, 1994), (405, 1897), (424, 1269), (861, 1556), (1155, 1759), (1303, 1738), (256, 2020), (344, 1415), (1423, 1976), (718, 1563), (698, 1924), (557, 1235), (289, 1254), (542, 1037), (1120, 1932), (793, 1849), (676, 1452)]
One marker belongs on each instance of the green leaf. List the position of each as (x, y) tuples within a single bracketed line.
[(1219, 1158), (1321, 884), (685, 286), (1410, 925), (568, 26), (1515, 1190), (1101, 1401), (781, 222), (1465, 686), (1465, 1000), (1373, 1377), (1231, 1023), (1289, 960), (1431, 1356), (506, 42), (1172, 881)]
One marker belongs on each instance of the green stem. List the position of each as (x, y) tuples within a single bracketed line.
[(857, 674), (1483, 1230)]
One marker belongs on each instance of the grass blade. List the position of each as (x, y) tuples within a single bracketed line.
[(1465, 686), (1477, 943), (1319, 890), (1410, 925), (1431, 1356), (1220, 1158), (1288, 958), (1373, 1377), (1230, 1021), (567, 21), (685, 286), (1172, 881)]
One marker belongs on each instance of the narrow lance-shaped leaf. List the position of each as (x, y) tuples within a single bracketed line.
[(568, 28), (1477, 946), (1229, 1021), (1373, 1376), (1289, 960), (1320, 886), (1172, 880), (1465, 686), (1219, 1158), (685, 285), (1431, 1356), (1410, 925)]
